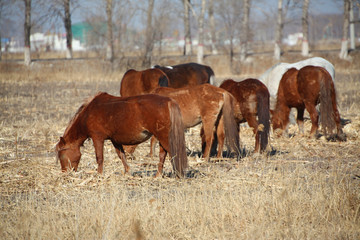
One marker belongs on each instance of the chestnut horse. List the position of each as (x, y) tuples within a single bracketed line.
[(125, 120), (304, 89), (252, 100), (141, 82), (271, 77), (208, 105), (187, 74)]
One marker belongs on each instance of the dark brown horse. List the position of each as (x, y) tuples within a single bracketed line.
[(304, 89), (125, 120), (208, 105), (141, 82), (188, 74), (252, 101)]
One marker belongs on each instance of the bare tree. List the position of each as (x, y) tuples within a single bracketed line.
[(200, 50), (305, 28), (110, 42), (123, 14), (27, 29), (245, 31), (67, 24), (278, 33), (188, 45), (149, 43), (212, 27), (344, 43), (230, 14), (59, 10), (352, 25), (4, 5)]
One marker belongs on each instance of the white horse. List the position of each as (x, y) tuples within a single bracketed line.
[(271, 78)]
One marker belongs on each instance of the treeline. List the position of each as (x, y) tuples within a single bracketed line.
[(201, 25)]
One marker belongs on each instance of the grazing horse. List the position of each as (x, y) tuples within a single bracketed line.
[(141, 82), (304, 89), (252, 100), (208, 105), (125, 120), (271, 78), (188, 74)]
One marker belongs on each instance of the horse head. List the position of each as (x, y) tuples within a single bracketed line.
[(68, 154), (278, 125)]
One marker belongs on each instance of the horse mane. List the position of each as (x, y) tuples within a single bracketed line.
[(81, 109)]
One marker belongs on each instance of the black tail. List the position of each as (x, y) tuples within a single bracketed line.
[(177, 140), (263, 110), (327, 103)]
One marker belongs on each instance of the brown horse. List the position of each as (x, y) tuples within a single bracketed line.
[(141, 82), (125, 120), (252, 100), (208, 105), (188, 74), (304, 89)]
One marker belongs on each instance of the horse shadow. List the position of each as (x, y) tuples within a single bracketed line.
[(191, 173), (274, 152)]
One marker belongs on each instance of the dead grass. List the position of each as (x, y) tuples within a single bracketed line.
[(303, 189)]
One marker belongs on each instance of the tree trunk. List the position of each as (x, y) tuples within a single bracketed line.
[(245, 31), (278, 34), (352, 26), (200, 50), (27, 29), (212, 27), (187, 46), (0, 48), (344, 43), (110, 42), (149, 36), (305, 29), (67, 25)]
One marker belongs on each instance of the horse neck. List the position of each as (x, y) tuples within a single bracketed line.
[(74, 134), (281, 112)]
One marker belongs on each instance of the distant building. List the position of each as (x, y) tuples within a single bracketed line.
[(293, 39), (90, 35), (52, 42)]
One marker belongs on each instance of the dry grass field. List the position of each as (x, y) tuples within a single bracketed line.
[(301, 189)]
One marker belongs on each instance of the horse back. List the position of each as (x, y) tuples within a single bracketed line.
[(247, 94), (288, 89), (188, 74), (311, 80), (153, 78), (127, 120), (142, 82), (130, 84)]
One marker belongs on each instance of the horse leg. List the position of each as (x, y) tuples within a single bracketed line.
[(152, 146), (209, 136), (121, 153), (251, 120), (314, 116), (99, 152), (162, 156), (220, 136), (202, 135), (300, 119), (130, 148)]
